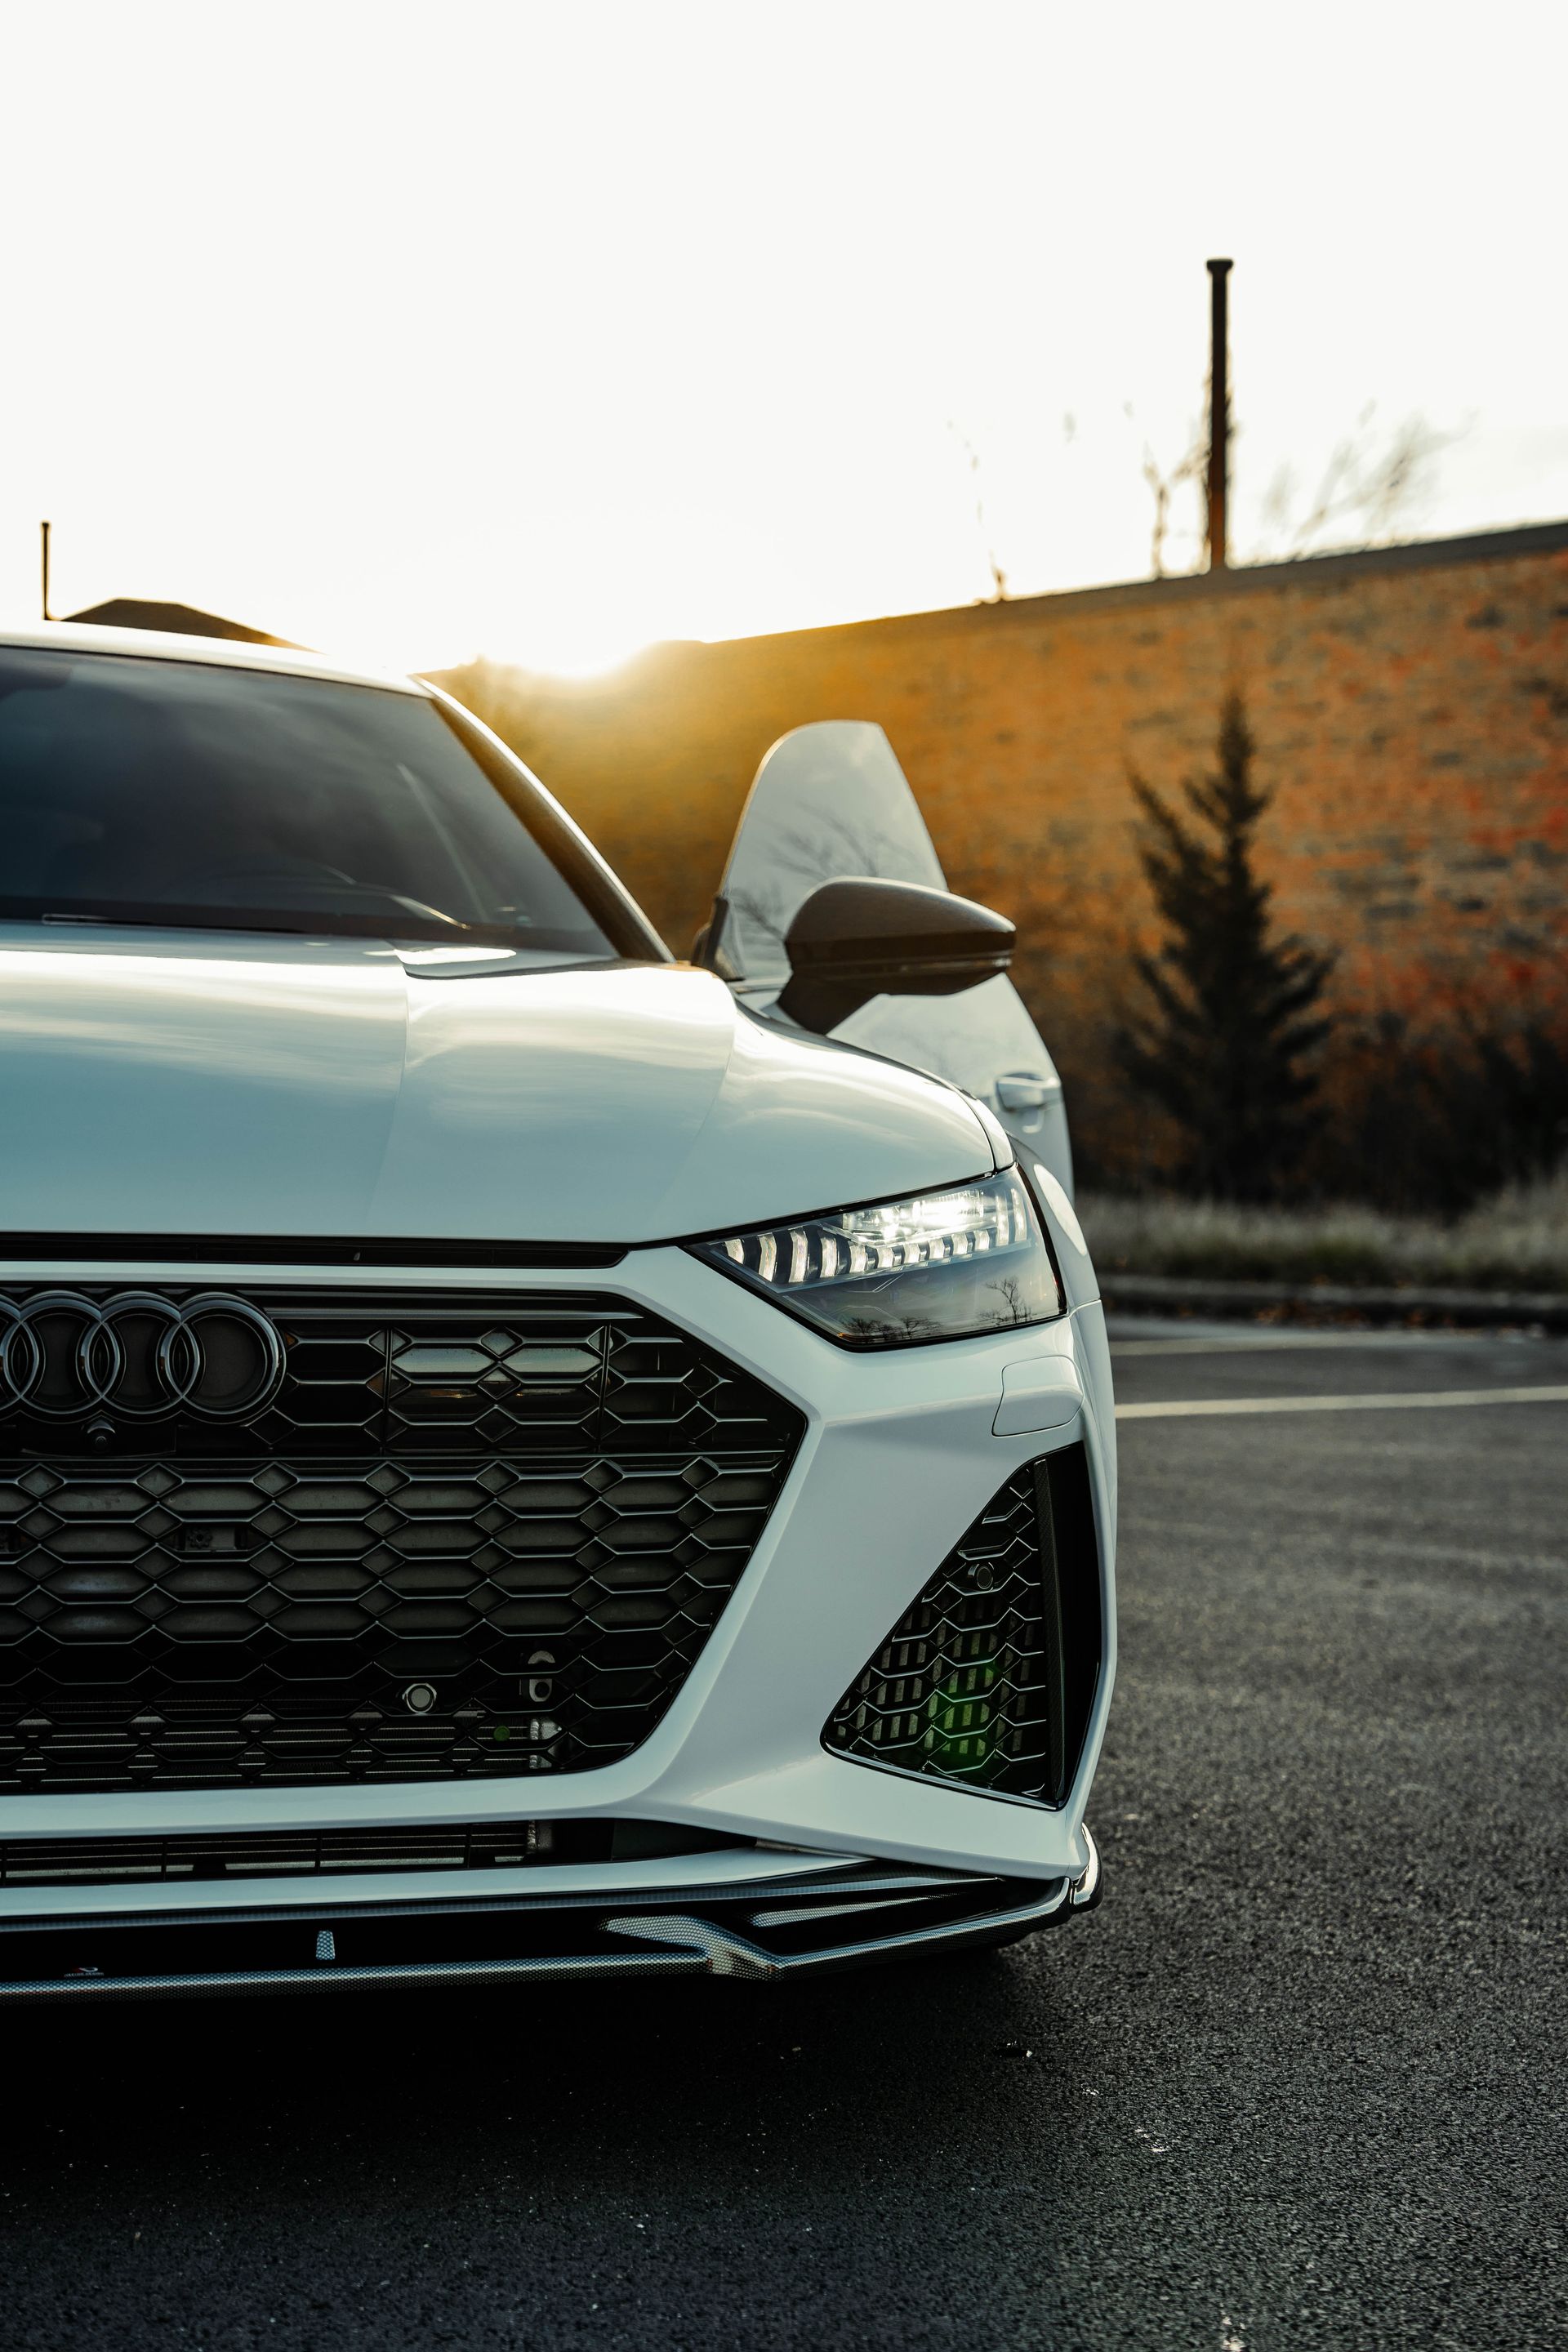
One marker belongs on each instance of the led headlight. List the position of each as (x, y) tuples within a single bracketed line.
[(943, 1266)]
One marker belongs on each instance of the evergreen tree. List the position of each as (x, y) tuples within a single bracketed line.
[(1230, 1014)]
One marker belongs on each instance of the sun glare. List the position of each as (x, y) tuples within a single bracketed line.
[(745, 347)]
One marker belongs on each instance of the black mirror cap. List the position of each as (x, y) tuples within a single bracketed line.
[(859, 938)]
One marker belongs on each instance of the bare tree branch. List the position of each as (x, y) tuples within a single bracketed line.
[(1367, 487)]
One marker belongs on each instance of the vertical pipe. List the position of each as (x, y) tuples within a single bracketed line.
[(1219, 415), (44, 527)]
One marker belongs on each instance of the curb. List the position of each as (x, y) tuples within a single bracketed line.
[(1171, 1294)]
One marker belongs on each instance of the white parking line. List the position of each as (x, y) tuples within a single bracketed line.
[(1187, 1408), (1252, 1343)]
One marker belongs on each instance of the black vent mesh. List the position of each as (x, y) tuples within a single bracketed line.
[(989, 1677), (536, 1507)]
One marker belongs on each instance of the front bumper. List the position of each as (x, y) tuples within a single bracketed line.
[(901, 1452)]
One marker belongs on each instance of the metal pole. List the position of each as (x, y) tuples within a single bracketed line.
[(44, 527), (1219, 415)]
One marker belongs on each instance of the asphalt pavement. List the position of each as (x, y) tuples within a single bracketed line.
[(1299, 2082)]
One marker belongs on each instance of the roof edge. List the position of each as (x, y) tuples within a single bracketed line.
[(211, 653)]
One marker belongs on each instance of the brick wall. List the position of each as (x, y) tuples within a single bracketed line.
[(1410, 704)]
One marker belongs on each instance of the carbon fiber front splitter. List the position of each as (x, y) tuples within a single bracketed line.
[(846, 1915)]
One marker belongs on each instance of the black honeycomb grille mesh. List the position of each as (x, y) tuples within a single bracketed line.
[(988, 1678), (537, 1506)]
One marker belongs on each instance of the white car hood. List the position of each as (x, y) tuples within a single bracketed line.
[(174, 1084)]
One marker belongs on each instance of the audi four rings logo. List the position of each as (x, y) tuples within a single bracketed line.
[(67, 1357)]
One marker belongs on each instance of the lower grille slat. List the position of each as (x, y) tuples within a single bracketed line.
[(291, 1853)]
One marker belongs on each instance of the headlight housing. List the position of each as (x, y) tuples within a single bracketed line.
[(902, 1274)]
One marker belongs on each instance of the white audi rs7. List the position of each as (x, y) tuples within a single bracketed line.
[(520, 1456)]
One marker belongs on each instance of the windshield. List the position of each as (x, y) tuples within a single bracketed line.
[(193, 795)]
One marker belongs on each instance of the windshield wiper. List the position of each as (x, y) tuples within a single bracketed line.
[(166, 919), (414, 930), (103, 914)]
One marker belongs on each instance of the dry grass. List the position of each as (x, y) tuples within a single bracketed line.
[(1517, 1241)]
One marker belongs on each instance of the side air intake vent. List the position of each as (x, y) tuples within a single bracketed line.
[(989, 1677)]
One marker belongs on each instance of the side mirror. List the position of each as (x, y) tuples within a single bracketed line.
[(852, 940)]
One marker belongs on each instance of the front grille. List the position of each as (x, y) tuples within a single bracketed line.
[(989, 1677), (485, 1539)]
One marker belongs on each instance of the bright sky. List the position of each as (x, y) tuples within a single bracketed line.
[(541, 331)]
